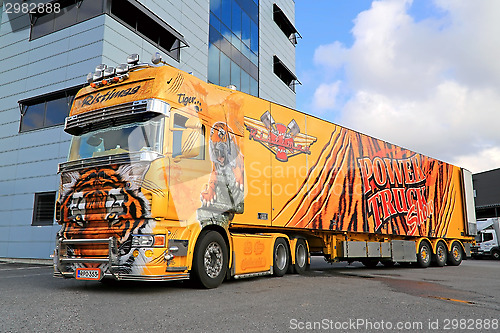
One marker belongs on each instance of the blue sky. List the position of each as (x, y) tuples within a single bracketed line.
[(421, 74), (321, 22)]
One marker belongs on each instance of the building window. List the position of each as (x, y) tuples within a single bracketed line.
[(72, 12), (233, 54), (285, 25), (46, 110), (284, 73), (130, 13), (145, 23), (43, 209)]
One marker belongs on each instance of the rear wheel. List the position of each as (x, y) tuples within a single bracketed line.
[(301, 256), (280, 257), (424, 254), (210, 260), (456, 255), (441, 255)]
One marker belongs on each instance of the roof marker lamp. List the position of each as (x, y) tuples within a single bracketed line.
[(133, 59)]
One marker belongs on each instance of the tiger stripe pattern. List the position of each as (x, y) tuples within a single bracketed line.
[(361, 184)]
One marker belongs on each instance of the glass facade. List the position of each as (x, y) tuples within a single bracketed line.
[(233, 53)]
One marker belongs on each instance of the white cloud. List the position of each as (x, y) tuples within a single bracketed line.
[(484, 159), (325, 97), (430, 85), (331, 55)]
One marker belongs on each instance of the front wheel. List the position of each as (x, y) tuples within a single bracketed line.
[(495, 254), (210, 260), (455, 255)]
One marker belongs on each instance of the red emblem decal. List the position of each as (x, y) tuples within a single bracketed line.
[(283, 141)]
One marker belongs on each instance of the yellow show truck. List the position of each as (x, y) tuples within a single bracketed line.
[(169, 178)]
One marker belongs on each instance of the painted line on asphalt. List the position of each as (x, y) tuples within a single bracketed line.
[(453, 300)]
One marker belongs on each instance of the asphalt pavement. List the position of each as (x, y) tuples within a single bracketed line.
[(338, 297)]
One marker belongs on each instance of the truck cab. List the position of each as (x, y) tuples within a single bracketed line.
[(487, 239)]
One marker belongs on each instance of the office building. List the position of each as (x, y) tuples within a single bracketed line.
[(45, 56)]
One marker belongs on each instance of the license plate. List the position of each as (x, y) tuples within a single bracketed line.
[(88, 274)]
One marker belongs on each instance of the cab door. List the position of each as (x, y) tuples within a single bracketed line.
[(189, 164)]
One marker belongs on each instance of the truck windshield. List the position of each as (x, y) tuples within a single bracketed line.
[(133, 137)]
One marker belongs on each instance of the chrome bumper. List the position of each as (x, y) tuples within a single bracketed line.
[(61, 257), (113, 268)]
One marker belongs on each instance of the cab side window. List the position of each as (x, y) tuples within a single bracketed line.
[(487, 237), (188, 138)]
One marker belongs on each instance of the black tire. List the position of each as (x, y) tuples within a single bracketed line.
[(495, 254), (281, 257), (441, 255), (301, 257), (455, 255), (210, 260), (424, 254), (369, 263)]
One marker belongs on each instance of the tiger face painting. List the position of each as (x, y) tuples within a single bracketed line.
[(104, 202), (225, 189)]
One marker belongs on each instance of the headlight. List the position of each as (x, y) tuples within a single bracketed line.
[(142, 240), (148, 240)]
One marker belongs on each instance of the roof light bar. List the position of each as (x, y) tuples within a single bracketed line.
[(104, 75)]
